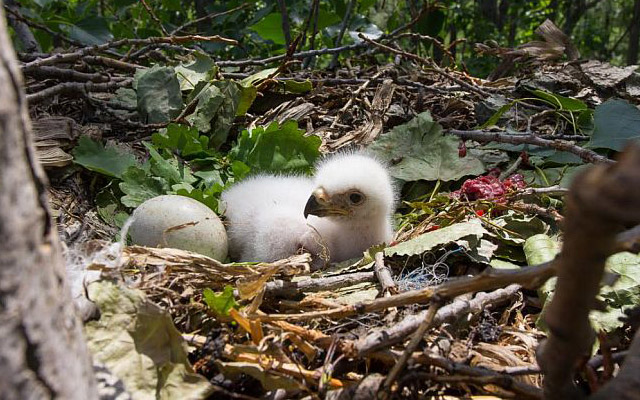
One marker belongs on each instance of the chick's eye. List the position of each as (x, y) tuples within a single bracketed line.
[(356, 198)]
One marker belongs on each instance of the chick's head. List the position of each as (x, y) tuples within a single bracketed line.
[(351, 185)]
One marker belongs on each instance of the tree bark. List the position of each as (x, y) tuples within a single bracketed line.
[(42, 351), (634, 35)]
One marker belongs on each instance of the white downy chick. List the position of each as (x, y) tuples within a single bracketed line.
[(342, 211), (352, 204)]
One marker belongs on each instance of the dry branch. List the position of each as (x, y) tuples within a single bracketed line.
[(562, 145), (489, 279), (601, 201), (75, 55), (380, 339)]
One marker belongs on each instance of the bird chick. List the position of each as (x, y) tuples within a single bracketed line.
[(336, 215), (351, 205)]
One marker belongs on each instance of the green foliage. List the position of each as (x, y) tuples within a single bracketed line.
[(111, 161), (201, 69), (91, 30), (616, 123), (220, 303), (259, 26), (181, 161), (424, 152), (277, 148), (159, 96), (270, 28)]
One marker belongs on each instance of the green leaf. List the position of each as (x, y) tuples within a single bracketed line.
[(326, 17), (247, 96), (91, 31), (248, 90), (159, 95), (471, 231), (201, 69), (109, 208), (539, 249), (216, 110), (516, 227), (138, 342), (210, 177), (616, 123), (256, 78), (169, 169), (270, 28), (110, 161), (560, 102), (623, 295), (221, 303), (496, 117), (239, 169), (209, 100), (208, 197), (297, 87), (277, 147), (182, 139), (418, 150), (125, 96), (138, 187)]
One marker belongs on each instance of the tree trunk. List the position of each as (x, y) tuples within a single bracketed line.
[(42, 351), (634, 35)]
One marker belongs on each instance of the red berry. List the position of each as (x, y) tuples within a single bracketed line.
[(462, 149)]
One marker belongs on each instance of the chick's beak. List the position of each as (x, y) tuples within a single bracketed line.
[(320, 204)]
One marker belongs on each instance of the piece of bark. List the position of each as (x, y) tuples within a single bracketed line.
[(42, 352)]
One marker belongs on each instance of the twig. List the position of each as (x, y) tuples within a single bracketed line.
[(315, 11), (355, 94), (549, 191), (383, 338), (146, 49), (67, 75), (489, 279), (536, 209), (343, 27), (459, 368), (72, 56), (296, 56), (286, 29), (76, 87), (435, 41), (112, 63), (282, 288), (384, 275), (208, 17), (428, 63), (411, 347), (154, 17), (561, 145), (504, 382)]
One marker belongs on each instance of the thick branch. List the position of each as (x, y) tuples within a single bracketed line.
[(600, 202)]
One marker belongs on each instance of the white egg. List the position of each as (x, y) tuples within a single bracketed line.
[(179, 222)]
